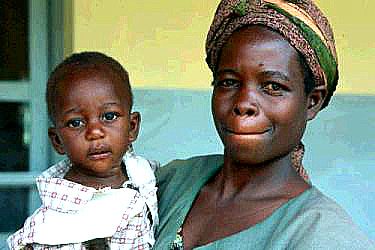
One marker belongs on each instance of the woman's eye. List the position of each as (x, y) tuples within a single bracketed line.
[(75, 123), (110, 116), (229, 83), (273, 88)]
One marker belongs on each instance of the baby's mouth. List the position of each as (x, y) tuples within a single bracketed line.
[(99, 153)]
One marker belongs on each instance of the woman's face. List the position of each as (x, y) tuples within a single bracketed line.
[(259, 105)]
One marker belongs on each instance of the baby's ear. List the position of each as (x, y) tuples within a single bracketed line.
[(56, 141), (134, 124), (315, 101)]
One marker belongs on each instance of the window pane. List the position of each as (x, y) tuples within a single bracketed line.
[(13, 208), (14, 63), (14, 137)]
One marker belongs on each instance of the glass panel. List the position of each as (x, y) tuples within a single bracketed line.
[(14, 137), (14, 63), (13, 208)]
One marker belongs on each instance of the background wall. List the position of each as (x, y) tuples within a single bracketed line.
[(161, 43)]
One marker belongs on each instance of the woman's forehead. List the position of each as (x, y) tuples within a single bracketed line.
[(258, 34), (258, 41)]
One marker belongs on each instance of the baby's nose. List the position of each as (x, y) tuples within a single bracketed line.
[(94, 131)]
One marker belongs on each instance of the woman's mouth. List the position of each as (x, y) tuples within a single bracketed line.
[(247, 132)]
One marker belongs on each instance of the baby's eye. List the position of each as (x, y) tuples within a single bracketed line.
[(110, 116), (75, 123), (228, 83)]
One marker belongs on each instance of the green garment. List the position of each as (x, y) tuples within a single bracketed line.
[(309, 221)]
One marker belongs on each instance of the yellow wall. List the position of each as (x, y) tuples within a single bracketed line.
[(161, 43), (353, 22)]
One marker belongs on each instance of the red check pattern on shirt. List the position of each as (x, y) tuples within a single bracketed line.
[(134, 231)]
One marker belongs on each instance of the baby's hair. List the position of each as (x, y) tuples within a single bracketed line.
[(79, 61)]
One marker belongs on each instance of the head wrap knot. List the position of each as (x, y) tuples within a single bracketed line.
[(300, 22)]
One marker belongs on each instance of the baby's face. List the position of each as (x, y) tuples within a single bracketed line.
[(94, 125)]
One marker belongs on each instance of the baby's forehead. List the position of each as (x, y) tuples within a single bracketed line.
[(92, 73), (93, 70), (83, 80)]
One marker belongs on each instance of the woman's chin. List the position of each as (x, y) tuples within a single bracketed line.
[(247, 156)]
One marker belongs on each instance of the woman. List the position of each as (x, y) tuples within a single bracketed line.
[(274, 67)]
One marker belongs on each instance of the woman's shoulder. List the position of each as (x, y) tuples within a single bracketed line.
[(315, 221), (318, 207), (313, 200), (197, 164), (310, 221)]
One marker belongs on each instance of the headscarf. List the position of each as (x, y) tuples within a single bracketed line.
[(300, 22)]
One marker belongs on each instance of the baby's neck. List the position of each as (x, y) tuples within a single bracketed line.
[(114, 180)]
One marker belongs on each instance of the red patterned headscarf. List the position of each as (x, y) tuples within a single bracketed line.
[(299, 21)]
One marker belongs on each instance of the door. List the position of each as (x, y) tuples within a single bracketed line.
[(26, 49)]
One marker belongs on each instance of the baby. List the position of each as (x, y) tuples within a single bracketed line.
[(102, 196)]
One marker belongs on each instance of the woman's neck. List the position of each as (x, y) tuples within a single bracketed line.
[(276, 178)]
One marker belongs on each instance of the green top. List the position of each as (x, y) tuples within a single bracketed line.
[(309, 221)]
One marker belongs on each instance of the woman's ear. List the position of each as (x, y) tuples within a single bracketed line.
[(56, 141), (315, 101), (134, 124)]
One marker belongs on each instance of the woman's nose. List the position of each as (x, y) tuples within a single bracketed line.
[(246, 103), (94, 131)]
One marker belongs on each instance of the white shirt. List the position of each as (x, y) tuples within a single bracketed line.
[(72, 213)]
